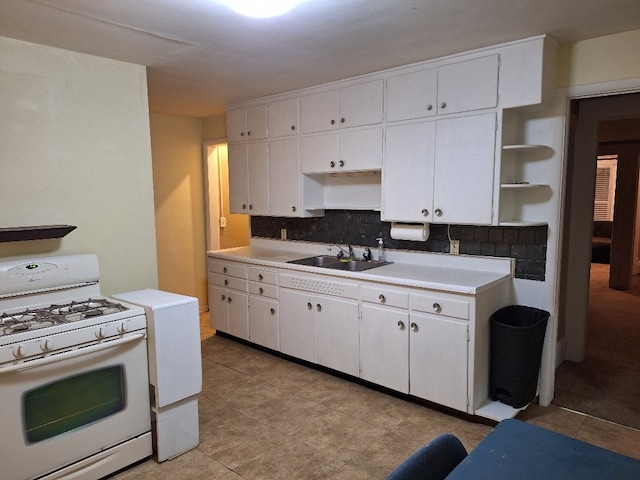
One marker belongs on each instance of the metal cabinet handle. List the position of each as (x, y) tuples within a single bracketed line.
[(272, 311), (342, 120), (223, 297), (261, 290), (333, 122), (318, 307), (229, 299), (437, 308), (425, 212), (382, 298), (224, 269), (242, 134), (293, 127), (244, 206), (226, 282), (293, 209), (438, 212), (443, 105), (260, 277), (429, 107), (250, 206), (309, 306), (401, 325), (414, 327), (332, 164), (248, 133), (341, 163)]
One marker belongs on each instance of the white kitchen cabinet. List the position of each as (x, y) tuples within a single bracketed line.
[(349, 106), (337, 334), (440, 171), (249, 178), (285, 194), (346, 151), (458, 87), (439, 360), (244, 124), (298, 325), (282, 118), (228, 299), (263, 307)]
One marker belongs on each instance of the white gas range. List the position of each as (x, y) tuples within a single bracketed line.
[(74, 395)]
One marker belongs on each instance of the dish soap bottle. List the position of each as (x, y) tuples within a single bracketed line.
[(381, 254)]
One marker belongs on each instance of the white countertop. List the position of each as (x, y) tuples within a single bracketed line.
[(461, 274)]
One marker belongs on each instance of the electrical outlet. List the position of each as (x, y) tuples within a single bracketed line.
[(223, 222), (454, 247), (283, 234)]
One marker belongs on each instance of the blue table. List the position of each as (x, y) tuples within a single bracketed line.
[(519, 451)]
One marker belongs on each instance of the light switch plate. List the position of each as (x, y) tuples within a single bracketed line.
[(454, 247)]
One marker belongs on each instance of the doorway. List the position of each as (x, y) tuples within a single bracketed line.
[(601, 375)]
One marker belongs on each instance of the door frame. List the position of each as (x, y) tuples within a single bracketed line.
[(213, 203)]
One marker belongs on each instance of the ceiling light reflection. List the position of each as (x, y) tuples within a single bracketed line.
[(261, 8)]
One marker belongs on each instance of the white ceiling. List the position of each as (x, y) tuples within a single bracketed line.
[(201, 55)]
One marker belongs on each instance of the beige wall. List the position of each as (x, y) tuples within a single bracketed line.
[(75, 150), (178, 180), (603, 59), (214, 127)]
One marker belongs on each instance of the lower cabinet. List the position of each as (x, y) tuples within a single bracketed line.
[(229, 311), (263, 307), (298, 325), (438, 360)]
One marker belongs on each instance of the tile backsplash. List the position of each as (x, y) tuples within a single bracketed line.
[(527, 245)]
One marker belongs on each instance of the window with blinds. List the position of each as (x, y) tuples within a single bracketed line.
[(605, 188)]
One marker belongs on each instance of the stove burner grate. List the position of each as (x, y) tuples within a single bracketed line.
[(55, 314)]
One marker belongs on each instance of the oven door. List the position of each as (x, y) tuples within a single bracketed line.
[(64, 408)]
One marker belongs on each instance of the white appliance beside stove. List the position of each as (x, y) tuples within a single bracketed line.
[(175, 368), (74, 396)]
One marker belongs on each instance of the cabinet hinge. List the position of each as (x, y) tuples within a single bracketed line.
[(468, 335)]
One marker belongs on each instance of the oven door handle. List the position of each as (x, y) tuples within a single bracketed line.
[(72, 354)]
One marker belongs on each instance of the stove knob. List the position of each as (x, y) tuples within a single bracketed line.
[(20, 351), (100, 333), (46, 346), (122, 328)]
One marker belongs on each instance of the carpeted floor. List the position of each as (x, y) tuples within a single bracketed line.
[(607, 384)]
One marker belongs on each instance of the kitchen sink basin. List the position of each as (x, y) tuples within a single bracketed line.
[(335, 263)]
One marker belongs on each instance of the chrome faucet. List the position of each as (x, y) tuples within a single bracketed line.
[(344, 253)]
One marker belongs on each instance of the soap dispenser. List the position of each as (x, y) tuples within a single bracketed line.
[(381, 254)]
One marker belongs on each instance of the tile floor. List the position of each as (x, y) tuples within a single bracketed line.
[(263, 417)]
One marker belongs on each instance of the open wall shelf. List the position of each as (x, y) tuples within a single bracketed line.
[(40, 232)]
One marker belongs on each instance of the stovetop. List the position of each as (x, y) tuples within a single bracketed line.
[(35, 318)]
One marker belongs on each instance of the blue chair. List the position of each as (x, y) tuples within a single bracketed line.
[(434, 461)]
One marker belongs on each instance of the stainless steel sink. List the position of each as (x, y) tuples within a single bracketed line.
[(335, 263)]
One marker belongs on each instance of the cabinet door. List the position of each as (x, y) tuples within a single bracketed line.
[(468, 85), (384, 347), (238, 178), (319, 112), (438, 352), (258, 173), (219, 315), (463, 182), (298, 325), (238, 304), (284, 178), (236, 124), (359, 150), (318, 153), (361, 104), (257, 122), (282, 118), (337, 330), (263, 322), (412, 95), (407, 173)]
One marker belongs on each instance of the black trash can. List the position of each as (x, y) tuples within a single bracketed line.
[(517, 337)]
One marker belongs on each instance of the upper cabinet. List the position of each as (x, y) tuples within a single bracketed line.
[(282, 118), (244, 124), (454, 88), (349, 106)]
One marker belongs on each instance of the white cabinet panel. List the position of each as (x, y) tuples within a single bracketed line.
[(258, 173), (263, 322), (284, 178), (247, 123), (337, 329), (318, 153), (282, 118), (469, 85), (298, 325), (319, 112), (384, 347), (412, 95), (360, 150), (438, 350), (238, 174), (407, 174)]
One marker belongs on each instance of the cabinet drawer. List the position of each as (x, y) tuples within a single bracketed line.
[(231, 269), (439, 305), (263, 290), (384, 296), (228, 282), (263, 276)]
